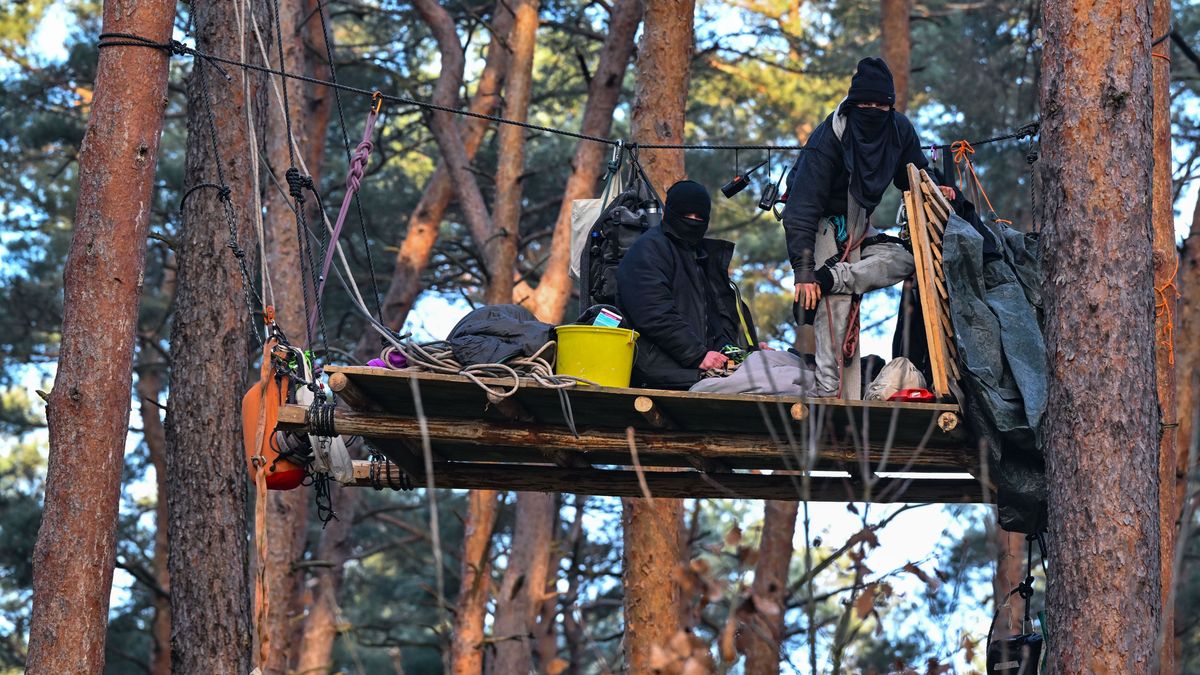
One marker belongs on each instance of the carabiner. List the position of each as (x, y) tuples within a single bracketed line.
[(377, 101)]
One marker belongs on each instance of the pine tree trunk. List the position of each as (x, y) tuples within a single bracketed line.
[(1010, 571), (149, 387), (1101, 422), (88, 413), (1187, 354), (315, 650), (762, 640), (501, 250), (206, 465), (470, 610), (654, 544), (287, 511), (426, 218), (524, 583), (897, 46), (1166, 265), (604, 91), (448, 134)]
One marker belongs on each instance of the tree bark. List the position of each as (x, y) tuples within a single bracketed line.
[(1100, 426), (149, 386), (88, 413), (426, 218), (501, 249), (315, 651), (1166, 265), (897, 46), (654, 544), (763, 639), (446, 131), (287, 511), (466, 647), (524, 583), (206, 465), (549, 299), (1010, 571), (1187, 353)]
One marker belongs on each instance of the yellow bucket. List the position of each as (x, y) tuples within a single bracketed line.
[(598, 353)]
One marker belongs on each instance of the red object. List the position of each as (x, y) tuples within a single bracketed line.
[(914, 396)]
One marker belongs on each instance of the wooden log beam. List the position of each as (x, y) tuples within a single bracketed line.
[(344, 388), (684, 484), (653, 414), (746, 448)]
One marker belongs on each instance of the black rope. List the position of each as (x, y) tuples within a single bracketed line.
[(380, 464), (337, 96), (175, 47), (319, 419), (249, 293), (319, 278)]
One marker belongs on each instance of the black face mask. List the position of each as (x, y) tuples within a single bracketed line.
[(871, 152), (688, 231)]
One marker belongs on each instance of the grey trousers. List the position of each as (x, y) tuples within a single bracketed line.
[(871, 268)]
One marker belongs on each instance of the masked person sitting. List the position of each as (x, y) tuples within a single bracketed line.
[(834, 187), (674, 289)]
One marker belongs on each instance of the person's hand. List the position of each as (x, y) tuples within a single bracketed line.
[(947, 192), (713, 361), (765, 347), (808, 295)]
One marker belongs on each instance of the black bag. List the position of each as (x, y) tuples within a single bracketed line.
[(626, 218)]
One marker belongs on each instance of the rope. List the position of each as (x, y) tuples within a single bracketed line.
[(178, 48), (337, 97), (962, 155), (1162, 310)]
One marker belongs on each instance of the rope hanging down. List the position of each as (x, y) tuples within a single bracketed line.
[(178, 48)]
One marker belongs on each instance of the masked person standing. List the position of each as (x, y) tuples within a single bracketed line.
[(674, 289), (834, 187)]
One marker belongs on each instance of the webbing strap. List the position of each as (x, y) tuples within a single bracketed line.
[(737, 301)]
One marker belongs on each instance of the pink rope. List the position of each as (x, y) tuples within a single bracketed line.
[(358, 164)]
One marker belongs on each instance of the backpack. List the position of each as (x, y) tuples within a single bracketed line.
[(628, 216)]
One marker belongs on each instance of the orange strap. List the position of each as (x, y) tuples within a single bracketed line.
[(962, 155), (267, 390)]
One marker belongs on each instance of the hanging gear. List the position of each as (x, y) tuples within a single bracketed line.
[(630, 214), (1019, 654), (260, 414)]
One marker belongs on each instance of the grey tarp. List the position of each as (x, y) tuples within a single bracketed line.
[(497, 333), (994, 301), (764, 372)]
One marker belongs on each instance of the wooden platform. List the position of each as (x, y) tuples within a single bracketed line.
[(688, 444)]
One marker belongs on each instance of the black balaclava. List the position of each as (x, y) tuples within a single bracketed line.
[(687, 197), (870, 143)]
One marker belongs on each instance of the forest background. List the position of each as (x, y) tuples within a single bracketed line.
[(761, 72)]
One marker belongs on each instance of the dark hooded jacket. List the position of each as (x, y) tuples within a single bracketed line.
[(675, 290), (819, 181)]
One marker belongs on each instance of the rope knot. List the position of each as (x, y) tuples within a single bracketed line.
[(297, 183), (358, 165), (224, 192), (962, 151), (177, 47)]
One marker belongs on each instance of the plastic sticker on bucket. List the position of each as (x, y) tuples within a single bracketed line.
[(601, 354), (608, 319)]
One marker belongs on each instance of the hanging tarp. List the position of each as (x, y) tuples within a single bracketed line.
[(992, 279)]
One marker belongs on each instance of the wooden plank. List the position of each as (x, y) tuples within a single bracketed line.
[(937, 194), (453, 396), (487, 441), (683, 484), (922, 245), (942, 215)]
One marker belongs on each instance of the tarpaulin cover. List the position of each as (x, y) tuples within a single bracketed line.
[(995, 301), (497, 333)]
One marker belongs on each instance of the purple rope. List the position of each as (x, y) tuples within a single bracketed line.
[(358, 164)]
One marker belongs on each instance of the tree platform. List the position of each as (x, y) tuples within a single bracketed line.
[(666, 443)]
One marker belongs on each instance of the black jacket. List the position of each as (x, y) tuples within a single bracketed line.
[(665, 292), (817, 186)]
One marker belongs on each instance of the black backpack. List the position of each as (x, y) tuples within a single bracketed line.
[(630, 214)]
